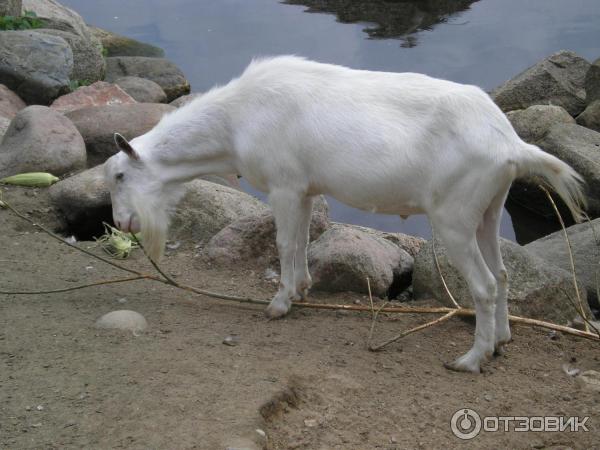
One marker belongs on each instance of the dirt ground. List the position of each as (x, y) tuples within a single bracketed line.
[(304, 382)]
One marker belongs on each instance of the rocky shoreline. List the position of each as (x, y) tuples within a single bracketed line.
[(66, 87)]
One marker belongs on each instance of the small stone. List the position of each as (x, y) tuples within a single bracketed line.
[(488, 397), (310, 423), (122, 300), (231, 341), (36, 425), (39, 407), (123, 320)]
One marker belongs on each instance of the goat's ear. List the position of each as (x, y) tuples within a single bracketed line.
[(125, 147)]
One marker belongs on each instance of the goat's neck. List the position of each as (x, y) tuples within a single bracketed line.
[(189, 145)]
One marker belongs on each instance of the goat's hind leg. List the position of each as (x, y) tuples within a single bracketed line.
[(464, 254), (287, 211), (488, 241)]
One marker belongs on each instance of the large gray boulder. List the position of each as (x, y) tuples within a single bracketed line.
[(557, 80), (83, 202), (142, 90), (10, 7), (10, 103), (532, 123), (536, 289), (410, 244), (207, 208), (162, 71), (34, 65), (40, 139), (580, 148), (585, 246), (251, 239), (88, 63), (97, 94), (592, 82), (117, 45), (344, 257), (590, 117), (58, 17), (97, 125)]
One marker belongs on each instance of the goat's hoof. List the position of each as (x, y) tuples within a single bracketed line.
[(276, 310), (461, 366), (500, 348)]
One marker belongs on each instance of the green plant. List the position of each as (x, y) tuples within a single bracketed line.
[(76, 84), (104, 52), (27, 21)]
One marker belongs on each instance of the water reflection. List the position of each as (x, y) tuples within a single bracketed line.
[(399, 19)]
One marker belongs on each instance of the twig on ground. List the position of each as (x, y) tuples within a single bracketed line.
[(571, 259), (439, 269), (374, 315), (437, 321)]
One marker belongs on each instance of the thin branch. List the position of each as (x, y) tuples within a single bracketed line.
[(449, 315), (439, 269), (585, 319), (154, 264), (571, 259), (374, 314), (80, 286)]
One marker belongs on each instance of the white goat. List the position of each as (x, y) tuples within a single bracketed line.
[(396, 143)]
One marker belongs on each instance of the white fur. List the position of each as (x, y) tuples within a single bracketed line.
[(396, 143)]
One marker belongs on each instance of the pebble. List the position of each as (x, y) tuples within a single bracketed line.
[(310, 423), (123, 320), (39, 407), (231, 341), (488, 397)]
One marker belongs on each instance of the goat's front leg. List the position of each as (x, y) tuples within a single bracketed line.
[(302, 278), (287, 211)]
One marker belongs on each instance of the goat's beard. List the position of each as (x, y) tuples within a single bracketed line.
[(154, 225)]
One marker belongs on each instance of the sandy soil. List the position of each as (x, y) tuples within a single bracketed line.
[(306, 381)]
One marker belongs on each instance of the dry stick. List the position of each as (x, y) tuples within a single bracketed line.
[(439, 269), (373, 315), (592, 326), (572, 261), (463, 312), (445, 317), (158, 269), (79, 286)]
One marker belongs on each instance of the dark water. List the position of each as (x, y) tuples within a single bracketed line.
[(481, 42)]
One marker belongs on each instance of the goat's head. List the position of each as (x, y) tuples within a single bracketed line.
[(140, 200)]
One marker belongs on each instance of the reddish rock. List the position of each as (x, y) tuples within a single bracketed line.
[(98, 94), (10, 103), (251, 239)]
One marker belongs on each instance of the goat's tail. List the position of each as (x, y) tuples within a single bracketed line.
[(561, 177)]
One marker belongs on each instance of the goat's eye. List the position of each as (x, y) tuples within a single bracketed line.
[(119, 176)]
